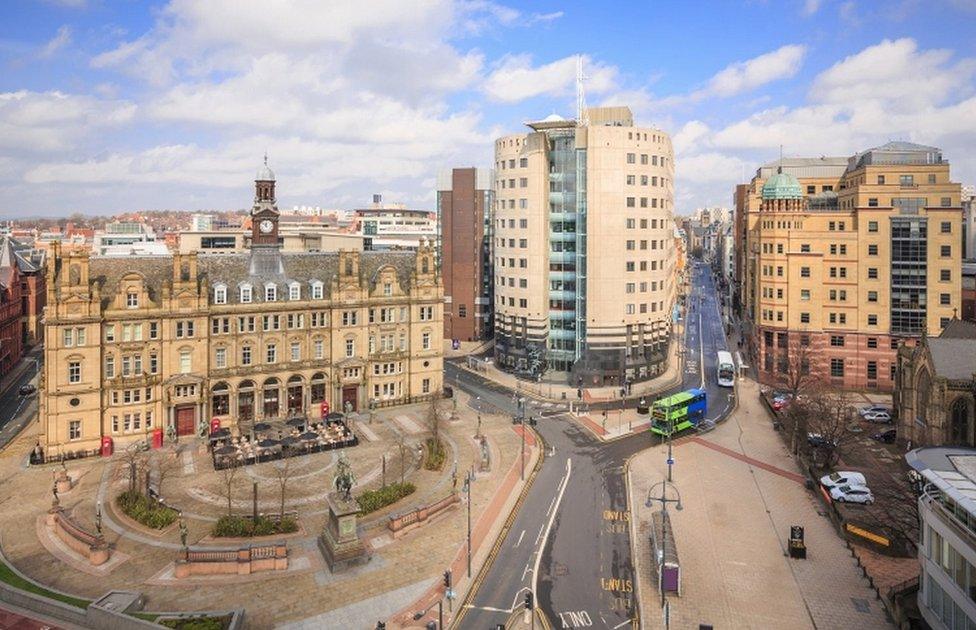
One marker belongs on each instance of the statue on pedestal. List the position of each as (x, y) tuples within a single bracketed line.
[(98, 519), (183, 532), (344, 479)]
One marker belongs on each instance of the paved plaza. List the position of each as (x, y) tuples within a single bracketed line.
[(741, 492), (307, 594)]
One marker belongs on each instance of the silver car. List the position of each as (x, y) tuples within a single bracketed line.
[(852, 494), (843, 478)]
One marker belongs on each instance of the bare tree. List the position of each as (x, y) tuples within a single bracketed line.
[(164, 464), (829, 415), (131, 464), (283, 473), (434, 422), (227, 477), (795, 378), (894, 512)]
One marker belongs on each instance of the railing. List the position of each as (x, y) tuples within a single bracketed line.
[(951, 519), (241, 561)]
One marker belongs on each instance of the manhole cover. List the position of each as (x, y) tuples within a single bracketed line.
[(861, 605)]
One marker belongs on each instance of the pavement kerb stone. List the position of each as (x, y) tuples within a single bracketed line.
[(635, 553), (470, 587)]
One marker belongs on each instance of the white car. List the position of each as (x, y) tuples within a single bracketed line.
[(881, 417), (843, 478), (873, 409), (852, 494)]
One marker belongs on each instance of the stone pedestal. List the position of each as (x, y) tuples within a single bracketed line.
[(62, 481), (339, 542), (98, 553)]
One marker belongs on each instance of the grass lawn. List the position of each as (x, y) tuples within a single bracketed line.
[(13, 579)]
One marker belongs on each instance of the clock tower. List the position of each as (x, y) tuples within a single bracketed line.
[(264, 214)]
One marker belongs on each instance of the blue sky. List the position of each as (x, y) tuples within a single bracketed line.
[(112, 106)]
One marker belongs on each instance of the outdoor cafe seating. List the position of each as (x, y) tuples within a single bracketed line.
[(266, 442)]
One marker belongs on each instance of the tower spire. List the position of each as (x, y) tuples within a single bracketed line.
[(581, 118), (779, 169)]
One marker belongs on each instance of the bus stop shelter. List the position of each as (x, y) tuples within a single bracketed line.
[(664, 553)]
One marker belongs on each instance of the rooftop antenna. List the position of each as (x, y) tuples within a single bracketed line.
[(582, 120)]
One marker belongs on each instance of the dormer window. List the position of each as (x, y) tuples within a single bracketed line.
[(246, 292), (387, 288), (317, 290), (132, 300), (270, 292), (220, 294), (294, 291)]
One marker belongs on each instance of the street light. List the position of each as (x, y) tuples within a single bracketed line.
[(663, 500), (467, 493), (417, 616)]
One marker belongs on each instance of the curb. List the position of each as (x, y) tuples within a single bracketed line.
[(493, 552), (639, 625)]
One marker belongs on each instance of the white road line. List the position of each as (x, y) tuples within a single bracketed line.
[(489, 608), (538, 553), (551, 503), (623, 623), (520, 538), (539, 537), (527, 569)]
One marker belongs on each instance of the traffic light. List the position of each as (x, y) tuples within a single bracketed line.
[(447, 579), (579, 393), (529, 601), (380, 625)]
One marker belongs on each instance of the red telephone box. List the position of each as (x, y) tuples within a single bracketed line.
[(108, 446), (325, 408), (214, 425), (157, 438)]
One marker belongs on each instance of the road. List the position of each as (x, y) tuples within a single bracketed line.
[(570, 541), (16, 410)]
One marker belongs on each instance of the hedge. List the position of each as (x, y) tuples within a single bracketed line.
[(196, 623), (146, 511), (241, 527), (372, 500)]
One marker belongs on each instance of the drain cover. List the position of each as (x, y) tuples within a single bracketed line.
[(861, 605)]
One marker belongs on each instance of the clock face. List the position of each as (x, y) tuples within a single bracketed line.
[(266, 226)]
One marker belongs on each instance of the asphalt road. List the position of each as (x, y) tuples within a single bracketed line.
[(16, 410), (570, 541)]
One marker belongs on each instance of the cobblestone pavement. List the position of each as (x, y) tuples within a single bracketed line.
[(741, 492), (400, 569)]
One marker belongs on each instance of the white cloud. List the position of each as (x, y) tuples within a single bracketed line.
[(811, 6), (516, 79), (37, 122), (782, 63), (59, 41)]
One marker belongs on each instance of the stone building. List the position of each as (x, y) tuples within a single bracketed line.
[(936, 382), (172, 344)]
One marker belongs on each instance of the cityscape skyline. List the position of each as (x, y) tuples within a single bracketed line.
[(107, 108)]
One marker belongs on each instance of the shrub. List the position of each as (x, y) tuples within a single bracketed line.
[(372, 500), (195, 623), (241, 527), (146, 511), (436, 454)]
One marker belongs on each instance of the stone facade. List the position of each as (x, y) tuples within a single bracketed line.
[(936, 384), (174, 343)]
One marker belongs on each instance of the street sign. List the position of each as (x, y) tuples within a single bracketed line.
[(670, 461)]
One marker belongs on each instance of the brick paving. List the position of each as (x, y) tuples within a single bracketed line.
[(740, 492), (399, 569)]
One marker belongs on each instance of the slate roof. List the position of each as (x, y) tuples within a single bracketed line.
[(959, 329), (236, 269), (953, 358)]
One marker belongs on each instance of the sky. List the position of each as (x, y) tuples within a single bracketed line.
[(109, 107)]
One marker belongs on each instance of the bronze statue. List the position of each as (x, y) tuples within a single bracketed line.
[(344, 478), (183, 532), (98, 518)]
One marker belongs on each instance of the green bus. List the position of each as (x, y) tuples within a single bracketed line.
[(678, 412)]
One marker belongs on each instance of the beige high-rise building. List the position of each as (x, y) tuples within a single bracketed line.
[(847, 258), (135, 348), (584, 250)]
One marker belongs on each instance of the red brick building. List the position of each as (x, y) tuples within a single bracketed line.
[(464, 204)]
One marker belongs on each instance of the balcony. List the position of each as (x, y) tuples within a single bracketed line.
[(946, 516)]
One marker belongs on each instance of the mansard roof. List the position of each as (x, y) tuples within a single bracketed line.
[(234, 269)]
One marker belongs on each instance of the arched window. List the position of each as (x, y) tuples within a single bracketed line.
[(245, 400), (270, 394), (318, 387), (296, 395), (220, 399), (960, 434), (220, 294), (424, 265), (923, 396)]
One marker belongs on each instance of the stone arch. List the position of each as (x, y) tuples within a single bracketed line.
[(960, 432), (220, 395)]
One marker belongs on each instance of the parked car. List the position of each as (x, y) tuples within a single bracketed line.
[(852, 494), (888, 437), (448, 391), (818, 441), (26, 390), (874, 409), (843, 478), (881, 417), (781, 402)]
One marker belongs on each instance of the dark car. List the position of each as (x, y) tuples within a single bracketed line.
[(818, 441), (26, 390), (448, 391), (888, 437)]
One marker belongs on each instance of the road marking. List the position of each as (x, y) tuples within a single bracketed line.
[(539, 537), (489, 608), (526, 570), (538, 554), (576, 619), (623, 623), (617, 585), (551, 503), (520, 538)]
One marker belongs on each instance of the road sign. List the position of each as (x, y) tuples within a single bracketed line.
[(670, 461)]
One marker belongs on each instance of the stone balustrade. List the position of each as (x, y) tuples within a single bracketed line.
[(402, 523), (242, 561), (91, 546)]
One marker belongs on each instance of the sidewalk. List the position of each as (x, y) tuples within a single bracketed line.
[(563, 392), (741, 492)]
